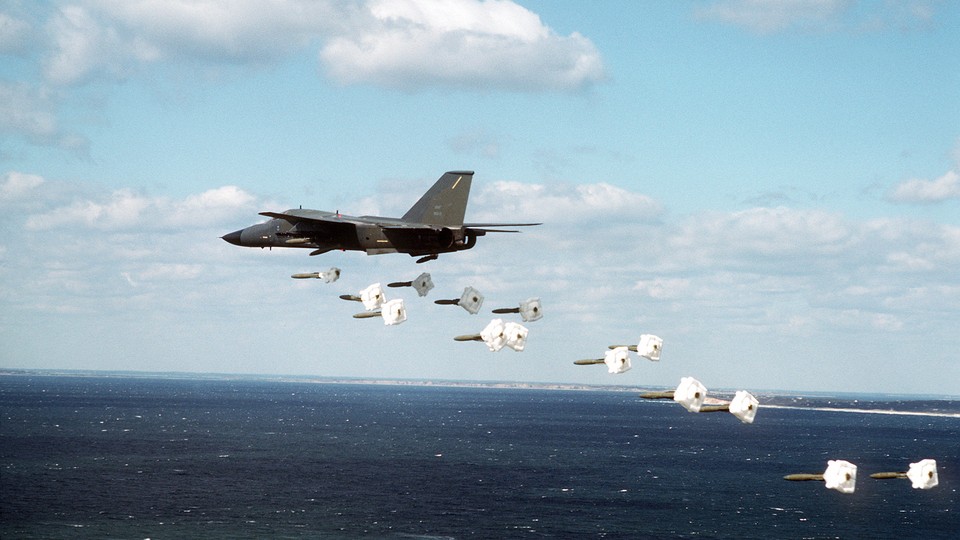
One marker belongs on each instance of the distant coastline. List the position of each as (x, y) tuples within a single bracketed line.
[(321, 380), (765, 395)]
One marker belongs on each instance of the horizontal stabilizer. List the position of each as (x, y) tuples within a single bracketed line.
[(481, 229), (481, 225)]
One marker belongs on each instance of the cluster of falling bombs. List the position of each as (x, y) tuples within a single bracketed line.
[(690, 393), (496, 335), (840, 475)]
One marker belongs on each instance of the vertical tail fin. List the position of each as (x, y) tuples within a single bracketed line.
[(445, 203)]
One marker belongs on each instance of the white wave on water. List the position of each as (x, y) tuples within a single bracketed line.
[(864, 411)]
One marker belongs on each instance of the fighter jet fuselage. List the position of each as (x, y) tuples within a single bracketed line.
[(434, 225)]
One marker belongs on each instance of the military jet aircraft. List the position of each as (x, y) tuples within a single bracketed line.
[(432, 226)]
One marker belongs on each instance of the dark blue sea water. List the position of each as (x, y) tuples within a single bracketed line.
[(87, 457)]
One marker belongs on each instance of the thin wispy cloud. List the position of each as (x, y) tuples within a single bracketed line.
[(14, 34), (563, 204), (767, 17), (770, 16), (30, 112)]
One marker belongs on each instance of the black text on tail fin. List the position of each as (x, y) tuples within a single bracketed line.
[(445, 203)]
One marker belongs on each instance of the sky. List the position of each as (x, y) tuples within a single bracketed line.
[(773, 188)]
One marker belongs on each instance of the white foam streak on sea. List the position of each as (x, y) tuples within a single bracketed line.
[(864, 411)]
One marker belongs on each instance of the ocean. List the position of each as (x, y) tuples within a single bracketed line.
[(127, 457)]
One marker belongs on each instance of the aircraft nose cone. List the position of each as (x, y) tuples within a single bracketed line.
[(233, 238)]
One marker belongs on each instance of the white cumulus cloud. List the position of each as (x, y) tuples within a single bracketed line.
[(463, 43), (399, 44), (17, 184), (211, 206), (126, 209), (764, 231), (928, 191), (114, 38), (123, 209)]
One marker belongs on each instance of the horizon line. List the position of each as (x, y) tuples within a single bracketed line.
[(328, 379)]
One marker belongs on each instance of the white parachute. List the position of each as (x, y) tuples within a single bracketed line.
[(372, 297), (516, 336), (530, 310), (690, 393), (494, 335), (498, 335), (617, 360), (330, 275), (923, 474), (470, 300), (744, 406), (393, 312), (840, 475), (649, 347), (423, 283)]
